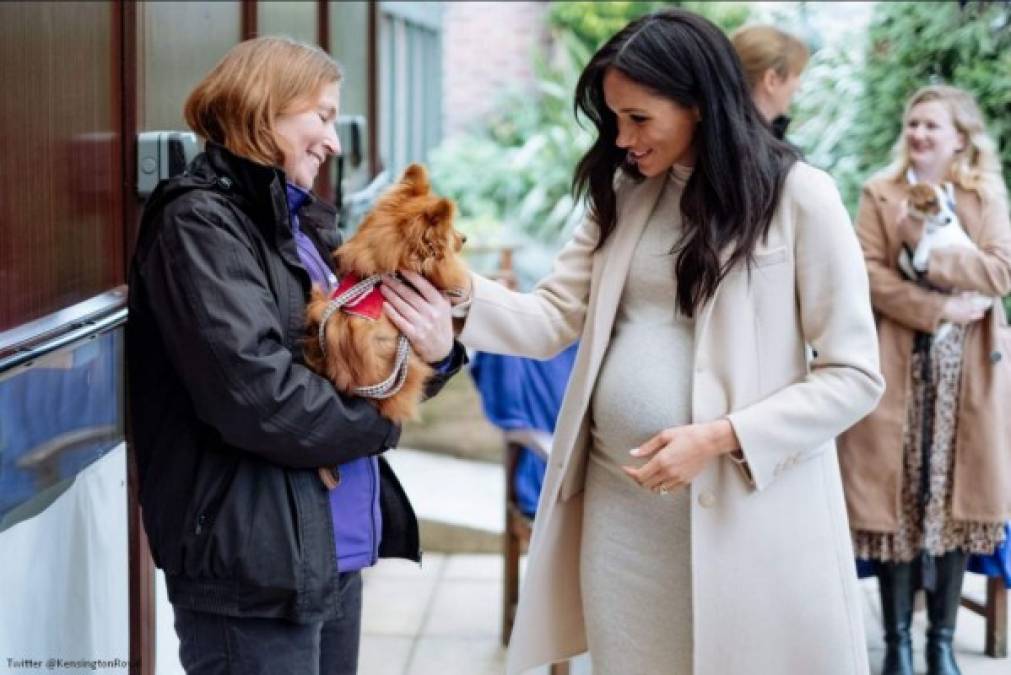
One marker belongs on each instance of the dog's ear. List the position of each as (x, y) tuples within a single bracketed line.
[(441, 212), (921, 193), (416, 178)]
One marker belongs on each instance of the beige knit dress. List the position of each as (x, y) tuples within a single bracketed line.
[(635, 567)]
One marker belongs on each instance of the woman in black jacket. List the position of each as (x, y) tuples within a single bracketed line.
[(261, 560)]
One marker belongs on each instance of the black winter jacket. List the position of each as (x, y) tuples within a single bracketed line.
[(228, 424)]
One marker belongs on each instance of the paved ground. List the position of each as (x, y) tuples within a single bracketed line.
[(438, 620), (443, 618)]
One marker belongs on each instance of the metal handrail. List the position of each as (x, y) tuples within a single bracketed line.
[(84, 321)]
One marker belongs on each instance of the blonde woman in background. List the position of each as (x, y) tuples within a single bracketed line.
[(928, 474), (773, 61)]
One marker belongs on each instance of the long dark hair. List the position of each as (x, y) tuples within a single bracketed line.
[(740, 166)]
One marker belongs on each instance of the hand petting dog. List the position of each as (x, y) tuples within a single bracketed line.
[(421, 313), (376, 335)]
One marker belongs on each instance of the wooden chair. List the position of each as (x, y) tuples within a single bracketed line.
[(518, 528), (994, 610)]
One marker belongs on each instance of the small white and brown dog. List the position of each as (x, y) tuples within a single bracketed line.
[(933, 205)]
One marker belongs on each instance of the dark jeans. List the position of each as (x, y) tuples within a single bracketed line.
[(212, 644)]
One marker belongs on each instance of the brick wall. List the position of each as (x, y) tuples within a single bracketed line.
[(487, 47)]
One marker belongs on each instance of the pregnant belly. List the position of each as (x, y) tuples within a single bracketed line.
[(644, 387)]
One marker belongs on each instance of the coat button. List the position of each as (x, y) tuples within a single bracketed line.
[(995, 357), (225, 183), (707, 499)]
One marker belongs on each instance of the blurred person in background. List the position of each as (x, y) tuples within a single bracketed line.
[(928, 473), (773, 61)]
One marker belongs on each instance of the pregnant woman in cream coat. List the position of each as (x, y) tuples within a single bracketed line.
[(712, 263)]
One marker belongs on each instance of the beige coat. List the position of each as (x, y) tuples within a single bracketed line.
[(773, 575), (871, 452)]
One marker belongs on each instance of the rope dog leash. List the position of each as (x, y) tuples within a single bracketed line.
[(349, 298)]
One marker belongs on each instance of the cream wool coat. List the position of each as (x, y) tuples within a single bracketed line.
[(774, 586)]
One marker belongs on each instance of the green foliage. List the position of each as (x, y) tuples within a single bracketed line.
[(527, 152), (594, 22), (515, 188), (849, 111), (850, 108), (826, 121), (912, 44)]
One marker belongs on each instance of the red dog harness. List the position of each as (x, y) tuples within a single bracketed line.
[(368, 305), (361, 297)]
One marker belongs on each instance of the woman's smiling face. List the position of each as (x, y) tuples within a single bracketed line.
[(655, 131), (932, 138), (309, 135)]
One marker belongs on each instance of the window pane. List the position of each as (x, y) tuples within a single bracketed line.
[(410, 71), (180, 43), (63, 507), (56, 417), (61, 205), (349, 25), (349, 45), (292, 19)]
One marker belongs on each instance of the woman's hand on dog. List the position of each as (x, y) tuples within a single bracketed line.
[(421, 313)]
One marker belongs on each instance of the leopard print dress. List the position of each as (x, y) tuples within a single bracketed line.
[(938, 532)]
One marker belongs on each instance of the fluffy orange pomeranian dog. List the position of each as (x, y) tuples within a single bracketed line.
[(351, 340)]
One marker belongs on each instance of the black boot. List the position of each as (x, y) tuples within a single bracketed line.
[(896, 582), (942, 609)]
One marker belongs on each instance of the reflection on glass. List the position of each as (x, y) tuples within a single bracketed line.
[(181, 42), (292, 18), (57, 417), (61, 204), (349, 27)]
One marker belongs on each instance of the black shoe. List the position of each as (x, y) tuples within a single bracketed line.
[(942, 610), (896, 582)]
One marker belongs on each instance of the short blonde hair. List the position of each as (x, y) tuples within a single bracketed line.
[(977, 166), (237, 103), (762, 47)]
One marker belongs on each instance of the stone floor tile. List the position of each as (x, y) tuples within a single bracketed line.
[(395, 606), (477, 497), (384, 655), (457, 656), (465, 609), (473, 567)]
